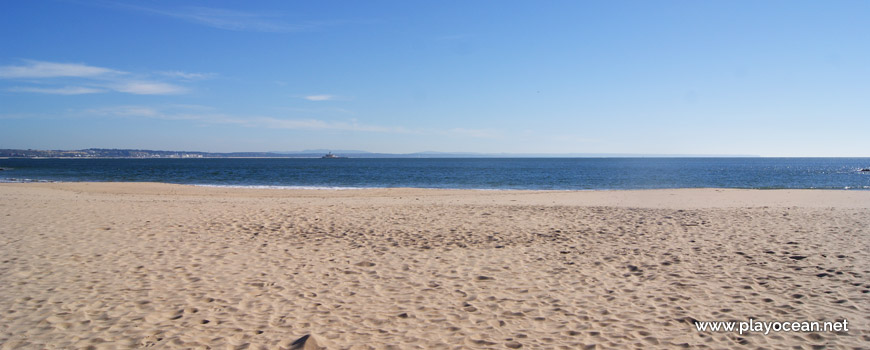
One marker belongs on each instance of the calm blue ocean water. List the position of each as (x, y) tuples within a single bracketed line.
[(488, 173)]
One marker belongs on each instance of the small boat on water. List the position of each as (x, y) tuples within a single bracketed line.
[(331, 156)]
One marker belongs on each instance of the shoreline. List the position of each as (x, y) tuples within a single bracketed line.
[(305, 187), (646, 198)]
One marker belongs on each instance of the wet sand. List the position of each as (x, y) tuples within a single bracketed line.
[(122, 265)]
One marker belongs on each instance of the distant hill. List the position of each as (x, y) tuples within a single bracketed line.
[(432, 154), (324, 151), (312, 153)]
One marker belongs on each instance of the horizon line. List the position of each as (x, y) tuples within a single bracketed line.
[(428, 154)]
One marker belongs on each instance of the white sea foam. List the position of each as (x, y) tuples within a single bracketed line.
[(340, 188), (333, 188), (16, 180)]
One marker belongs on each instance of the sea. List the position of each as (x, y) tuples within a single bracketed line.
[(457, 173)]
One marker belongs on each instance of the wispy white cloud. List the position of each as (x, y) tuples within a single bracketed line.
[(54, 77), (66, 90), (203, 114), (234, 20), (188, 76), (208, 115), (325, 110), (148, 88), (123, 111), (229, 19), (40, 69), (319, 97)]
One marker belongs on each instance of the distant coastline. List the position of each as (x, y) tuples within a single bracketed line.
[(107, 153)]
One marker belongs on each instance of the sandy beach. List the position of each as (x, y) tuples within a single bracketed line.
[(137, 265)]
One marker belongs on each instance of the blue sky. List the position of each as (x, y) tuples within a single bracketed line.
[(771, 78)]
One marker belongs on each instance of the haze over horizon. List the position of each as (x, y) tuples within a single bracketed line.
[(775, 78)]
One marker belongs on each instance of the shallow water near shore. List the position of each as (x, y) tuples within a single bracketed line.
[(476, 173)]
